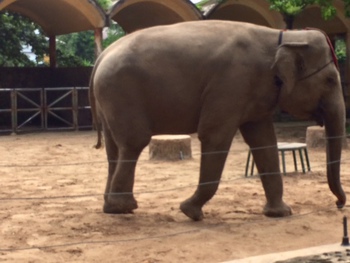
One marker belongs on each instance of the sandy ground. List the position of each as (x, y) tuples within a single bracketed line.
[(51, 200)]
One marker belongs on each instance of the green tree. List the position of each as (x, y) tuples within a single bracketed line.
[(292, 8), (114, 32), (340, 50), (201, 4), (17, 32), (78, 49)]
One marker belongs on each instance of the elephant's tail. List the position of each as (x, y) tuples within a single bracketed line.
[(96, 121)]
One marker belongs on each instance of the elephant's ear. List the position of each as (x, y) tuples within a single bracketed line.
[(289, 63)]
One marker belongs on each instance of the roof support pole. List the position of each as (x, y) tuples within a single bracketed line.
[(98, 42), (52, 51)]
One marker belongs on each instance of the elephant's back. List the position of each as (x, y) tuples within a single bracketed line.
[(195, 41)]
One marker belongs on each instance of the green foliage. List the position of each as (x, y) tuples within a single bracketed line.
[(295, 7), (347, 7), (291, 8), (340, 50), (201, 4), (15, 33), (76, 49), (105, 4), (114, 32)]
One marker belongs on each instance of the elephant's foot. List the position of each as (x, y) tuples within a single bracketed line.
[(279, 210), (120, 204), (191, 210)]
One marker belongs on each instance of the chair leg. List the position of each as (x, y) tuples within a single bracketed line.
[(307, 159), (295, 161), (302, 160), (283, 162), (250, 157), (252, 168), (247, 164)]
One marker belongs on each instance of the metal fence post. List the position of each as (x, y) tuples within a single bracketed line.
[(14, 110), (75, 108)]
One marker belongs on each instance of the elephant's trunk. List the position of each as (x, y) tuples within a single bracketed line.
[(334, 119)]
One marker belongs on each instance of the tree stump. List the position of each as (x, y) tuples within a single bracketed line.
[(170, 147), (316, 137)]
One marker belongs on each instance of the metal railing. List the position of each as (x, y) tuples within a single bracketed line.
[(38, 109)]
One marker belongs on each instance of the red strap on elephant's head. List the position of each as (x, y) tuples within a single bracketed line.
[(335, 59)]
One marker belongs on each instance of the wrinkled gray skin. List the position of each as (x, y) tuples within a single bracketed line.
[(213, 78)]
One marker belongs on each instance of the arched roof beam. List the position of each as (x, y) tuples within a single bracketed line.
[(252, 11), (133, 15), (60, 16)]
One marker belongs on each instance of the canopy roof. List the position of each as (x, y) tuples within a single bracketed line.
[(311, 17), (58, 17), (251, 11), (132, 15)]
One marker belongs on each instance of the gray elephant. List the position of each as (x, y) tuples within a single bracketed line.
[(213, 78)]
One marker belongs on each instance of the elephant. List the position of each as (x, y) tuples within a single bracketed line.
[(214, 78)]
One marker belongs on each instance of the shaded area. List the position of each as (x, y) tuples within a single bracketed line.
[(44, 77), (34, 99)]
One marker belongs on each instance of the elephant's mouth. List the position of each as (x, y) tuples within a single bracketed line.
[(319, 119), (314, 116), (318, 116)]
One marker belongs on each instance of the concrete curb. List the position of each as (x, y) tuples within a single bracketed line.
[(270, 258)]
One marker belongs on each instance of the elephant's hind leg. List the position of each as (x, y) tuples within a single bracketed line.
[(119, 190), (120, 198)]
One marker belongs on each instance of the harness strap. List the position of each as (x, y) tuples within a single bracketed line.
[(316, 71), (280, 38), (334, 56)]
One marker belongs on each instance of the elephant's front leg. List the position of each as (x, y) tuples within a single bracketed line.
[(214, 150), (261, 138)]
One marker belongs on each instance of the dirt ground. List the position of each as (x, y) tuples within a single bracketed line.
[(51, 197)]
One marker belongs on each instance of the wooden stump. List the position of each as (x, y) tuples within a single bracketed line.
[(170, 147), (316, 137)]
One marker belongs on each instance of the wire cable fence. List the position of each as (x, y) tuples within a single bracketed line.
[(140, 162), (242, 177), (325, 208)]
